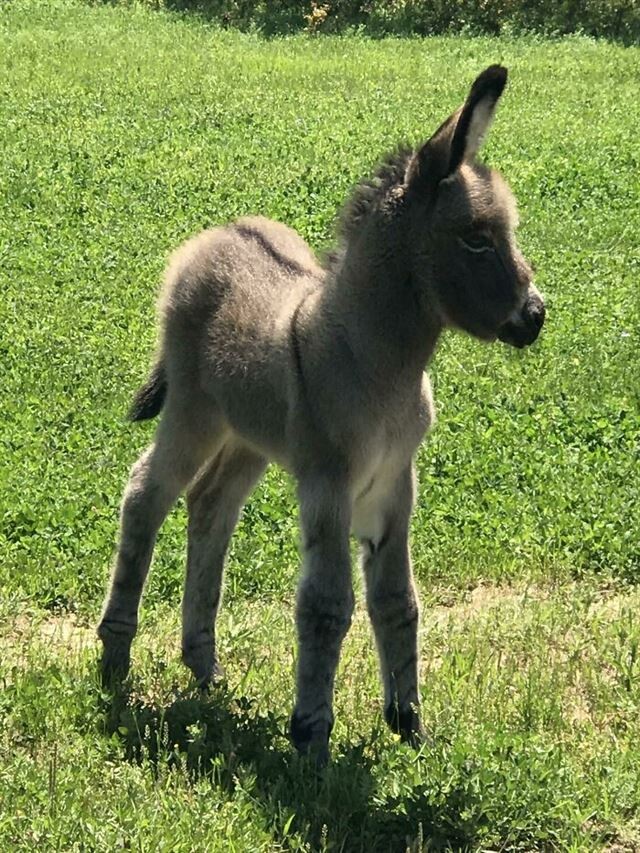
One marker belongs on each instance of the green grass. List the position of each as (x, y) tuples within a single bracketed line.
[(531, 700), (123, 132)]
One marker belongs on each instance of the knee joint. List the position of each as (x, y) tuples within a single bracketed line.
[(393, 606), (325, 615)]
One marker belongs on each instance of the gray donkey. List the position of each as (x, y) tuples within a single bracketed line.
[(266, 355)]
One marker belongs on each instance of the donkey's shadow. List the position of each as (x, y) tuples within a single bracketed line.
[(228, 739)]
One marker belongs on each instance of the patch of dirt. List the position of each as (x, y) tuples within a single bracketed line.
[(606, 603), (481, 599), (27, 633)]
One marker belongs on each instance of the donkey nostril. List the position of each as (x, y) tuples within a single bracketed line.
[(537, 316)]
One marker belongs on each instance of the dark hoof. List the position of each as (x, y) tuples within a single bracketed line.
[(115, 664), (203, 663), (211, 679), (116, 654), (311, 739), (406, 723)]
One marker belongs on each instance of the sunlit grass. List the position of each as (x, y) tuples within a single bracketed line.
[(529, 698), (123, 132)]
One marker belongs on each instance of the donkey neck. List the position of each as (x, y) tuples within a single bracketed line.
[(373, 297)]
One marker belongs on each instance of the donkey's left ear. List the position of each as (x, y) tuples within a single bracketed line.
[(476, 115)]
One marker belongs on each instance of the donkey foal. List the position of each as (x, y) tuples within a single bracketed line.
[(266, 355)]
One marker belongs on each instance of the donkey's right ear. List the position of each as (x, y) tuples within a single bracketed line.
[(460, 137)]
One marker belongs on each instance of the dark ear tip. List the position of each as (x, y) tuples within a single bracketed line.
[(492, 80)]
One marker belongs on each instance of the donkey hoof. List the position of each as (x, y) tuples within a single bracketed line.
[(210, 678), (115, 663), (406, 723), (311, 739), (204, 665), (116, 654)]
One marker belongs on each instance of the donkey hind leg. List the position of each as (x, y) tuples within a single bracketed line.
[(214, 502), (392, 603), (323, 613), (156, 480)]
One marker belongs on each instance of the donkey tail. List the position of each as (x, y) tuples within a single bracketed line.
[(149, 399)]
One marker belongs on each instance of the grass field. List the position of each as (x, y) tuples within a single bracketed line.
[(124, 131)]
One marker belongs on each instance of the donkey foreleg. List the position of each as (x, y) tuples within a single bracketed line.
[(392, 603), (323, 613), (214, 503)]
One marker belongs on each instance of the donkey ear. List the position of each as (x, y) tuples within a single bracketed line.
[(477, 115), (460, 137)]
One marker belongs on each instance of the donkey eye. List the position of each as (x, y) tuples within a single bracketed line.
[(477, 243)]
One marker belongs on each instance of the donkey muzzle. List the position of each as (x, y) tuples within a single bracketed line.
[(523, 328)]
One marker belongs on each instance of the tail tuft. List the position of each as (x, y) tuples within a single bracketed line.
[(150, 397)]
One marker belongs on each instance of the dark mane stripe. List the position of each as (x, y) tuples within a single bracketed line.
[(370, 194)]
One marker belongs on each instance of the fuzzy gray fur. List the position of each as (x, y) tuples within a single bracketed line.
[(266, 355)]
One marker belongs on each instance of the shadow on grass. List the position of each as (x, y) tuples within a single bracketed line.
[(227, 739)]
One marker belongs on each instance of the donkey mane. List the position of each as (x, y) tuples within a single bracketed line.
[(375, 194)]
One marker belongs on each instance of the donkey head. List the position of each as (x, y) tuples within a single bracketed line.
[(467, 253)]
